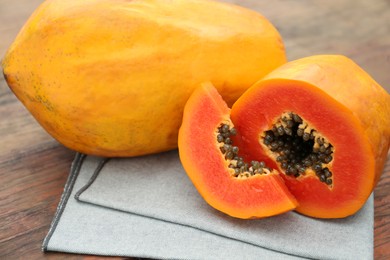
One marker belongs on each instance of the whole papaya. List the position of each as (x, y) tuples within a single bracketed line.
[(111, 78)]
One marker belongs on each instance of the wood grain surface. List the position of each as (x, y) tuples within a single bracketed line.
[(34, 167)]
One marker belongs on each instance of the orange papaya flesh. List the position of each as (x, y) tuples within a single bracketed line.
[(259, 195), (339, 102)]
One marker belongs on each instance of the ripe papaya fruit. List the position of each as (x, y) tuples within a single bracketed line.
[(208, 162), (321, 122), (334, 120), (111, 78)]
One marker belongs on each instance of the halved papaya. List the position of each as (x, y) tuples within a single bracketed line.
[(325, 124), (321, 121), (211, 161)]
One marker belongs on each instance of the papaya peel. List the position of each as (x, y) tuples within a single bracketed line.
[(321, 123), (111, 78)]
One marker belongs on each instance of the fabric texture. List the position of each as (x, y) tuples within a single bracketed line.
[(147, 207)]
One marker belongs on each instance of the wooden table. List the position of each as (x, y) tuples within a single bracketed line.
[(34, 167)]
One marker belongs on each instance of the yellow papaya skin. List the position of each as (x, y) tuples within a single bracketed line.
[(111, 78)]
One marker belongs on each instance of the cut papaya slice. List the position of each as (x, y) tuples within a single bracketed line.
[(212, 162), (325, 124)]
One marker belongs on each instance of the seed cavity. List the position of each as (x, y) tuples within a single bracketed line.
[(238, 167), (298, 148)]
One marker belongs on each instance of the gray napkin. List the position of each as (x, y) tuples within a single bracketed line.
[(147, 207)]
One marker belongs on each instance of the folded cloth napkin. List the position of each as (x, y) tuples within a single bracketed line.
[(147, 207)]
